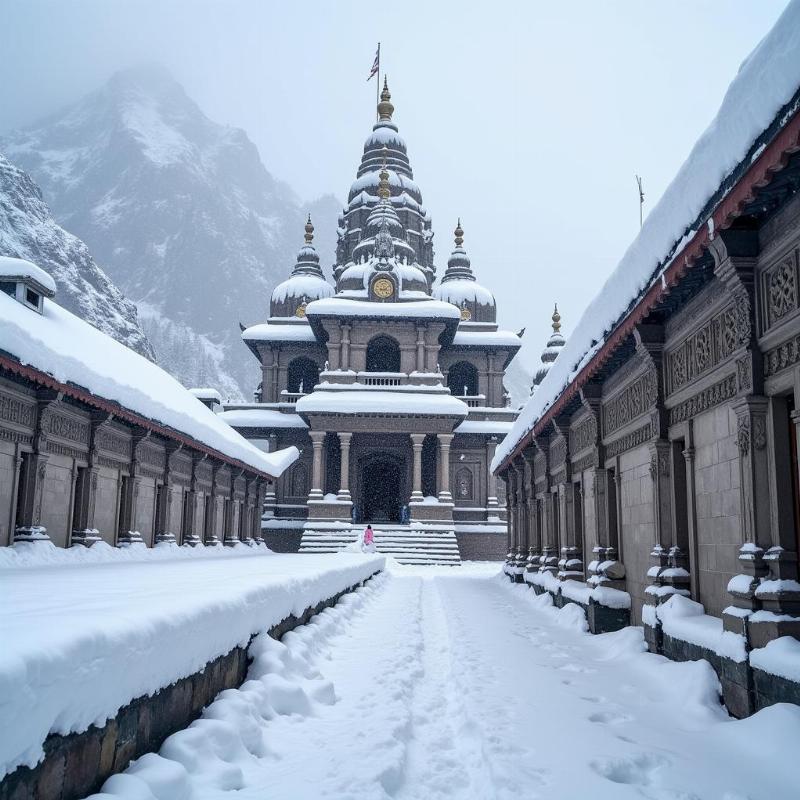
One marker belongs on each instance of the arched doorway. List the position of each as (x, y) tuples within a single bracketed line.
[(462, 379), (382, 487)]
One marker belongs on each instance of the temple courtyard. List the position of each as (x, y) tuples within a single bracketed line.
[(425, 682)]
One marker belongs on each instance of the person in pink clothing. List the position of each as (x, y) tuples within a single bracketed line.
[(369, 540)]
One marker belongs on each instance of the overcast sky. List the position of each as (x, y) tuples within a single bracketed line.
[(527, 119)]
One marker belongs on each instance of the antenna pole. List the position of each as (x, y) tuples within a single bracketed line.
[(641, 200)]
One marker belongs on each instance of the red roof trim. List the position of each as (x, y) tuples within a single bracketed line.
[(772, 160), (43, 379)]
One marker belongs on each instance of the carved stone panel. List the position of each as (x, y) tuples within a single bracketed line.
[(707, 347), (632, 402), (15, 410), (779, 289)]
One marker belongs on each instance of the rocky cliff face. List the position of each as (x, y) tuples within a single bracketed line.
[(28, 230), (180, 211)]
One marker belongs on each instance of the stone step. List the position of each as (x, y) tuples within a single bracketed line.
[(406, 544)]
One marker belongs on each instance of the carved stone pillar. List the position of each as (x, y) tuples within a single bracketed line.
[(344, 467), (417, 441), (420, 348), (345, 346), (570, 566), (444, 462), (317, 442), (491, 480)]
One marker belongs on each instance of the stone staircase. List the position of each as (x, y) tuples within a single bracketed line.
[(407, 544)]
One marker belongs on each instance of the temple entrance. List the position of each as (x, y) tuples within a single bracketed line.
[(382, 486)]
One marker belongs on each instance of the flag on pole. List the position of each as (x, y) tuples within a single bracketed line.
[(376, 64)]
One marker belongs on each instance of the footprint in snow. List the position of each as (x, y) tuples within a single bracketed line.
[(643, 769), (609, 718), (577, 668)]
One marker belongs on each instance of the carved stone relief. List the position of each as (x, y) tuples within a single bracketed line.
[(631, 402)]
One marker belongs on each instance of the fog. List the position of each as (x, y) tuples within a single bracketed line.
[(529, 120)]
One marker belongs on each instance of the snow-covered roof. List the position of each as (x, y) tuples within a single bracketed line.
[(74, 353), (272, 332), (309, 286), (424, 309), (462, 290), (206, 393), (19, 268), (484, 426), (379, 402), (486, 339), (767, 80), (260, 418)]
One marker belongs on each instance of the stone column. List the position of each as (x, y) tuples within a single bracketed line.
[(344, 467), (444, 462), (420, 348), (345, 347), (317, 441), (417, 440), (491, 481)]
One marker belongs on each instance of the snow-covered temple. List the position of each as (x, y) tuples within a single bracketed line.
[(389, 383)]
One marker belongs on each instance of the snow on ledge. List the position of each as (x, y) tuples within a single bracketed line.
[(767, 80), (780, 657), (338, 306), (73, 352), (188, 610), (378, 402), (272, 332), (260, 418)]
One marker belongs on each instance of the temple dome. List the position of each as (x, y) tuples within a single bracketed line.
[(459, 287), (553, 347), (306, 283)]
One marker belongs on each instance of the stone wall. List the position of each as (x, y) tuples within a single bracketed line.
[(719, 532), (481, 546), (77, 765), (637, 522)]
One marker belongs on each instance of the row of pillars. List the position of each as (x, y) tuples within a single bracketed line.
[(417, 441)]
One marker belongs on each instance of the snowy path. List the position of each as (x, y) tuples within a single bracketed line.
[(443, 683)]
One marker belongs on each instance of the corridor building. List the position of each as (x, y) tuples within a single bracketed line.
[(653, 475)]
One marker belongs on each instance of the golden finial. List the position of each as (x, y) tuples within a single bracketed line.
[(459, 232), (385, 107), (384, 192), (309, 237), (556, 319)]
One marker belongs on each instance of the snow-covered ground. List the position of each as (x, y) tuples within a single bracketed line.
[(451, 683), (84, 632)]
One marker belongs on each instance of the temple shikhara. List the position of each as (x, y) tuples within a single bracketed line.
[(389, 382)]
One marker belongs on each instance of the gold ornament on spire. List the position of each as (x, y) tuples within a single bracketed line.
[(556, 319), (459, 232), (385, 107), (384, 192), (309, 237)]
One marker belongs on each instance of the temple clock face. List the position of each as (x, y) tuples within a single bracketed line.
[(465, 315), (383, 288)]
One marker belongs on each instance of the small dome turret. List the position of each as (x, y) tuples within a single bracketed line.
[(551, 350), (305, 284), (459, 287)]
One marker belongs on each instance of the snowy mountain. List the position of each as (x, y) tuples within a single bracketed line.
[(517, 381), (27, 230), (181, 212)]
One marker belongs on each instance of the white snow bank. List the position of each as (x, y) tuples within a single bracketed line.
[(766, 81), (415, 309), (686, 620), (20, 268), (103, 634), (73, 352), (379, 402), (780, 657), (221, 748)]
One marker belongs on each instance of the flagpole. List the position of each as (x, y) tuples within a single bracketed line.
[(378, 83)]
